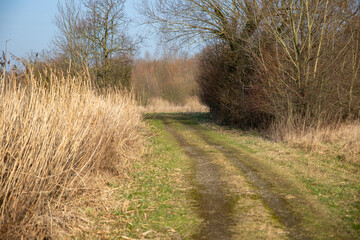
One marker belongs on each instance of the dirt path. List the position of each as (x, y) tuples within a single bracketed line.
[(213, 203), (276, 203), (233, 198)]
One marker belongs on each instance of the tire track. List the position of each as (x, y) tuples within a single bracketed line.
[(214, 203), (277, 203)]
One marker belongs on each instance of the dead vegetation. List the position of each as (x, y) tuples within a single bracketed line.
[(59, 138), (171, 78), (159, 105), (341, 141)]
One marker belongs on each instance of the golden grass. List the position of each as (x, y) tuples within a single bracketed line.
[(341, 141), (57, 141), (159, 105)]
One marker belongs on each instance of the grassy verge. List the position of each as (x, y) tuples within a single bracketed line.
[(154, 203)]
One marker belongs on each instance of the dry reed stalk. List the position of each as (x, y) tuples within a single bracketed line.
[(57, 136), (157, 105)]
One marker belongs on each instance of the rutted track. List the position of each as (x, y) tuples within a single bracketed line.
[(275, 202), (272, 199), (213, 203), (215, 207)]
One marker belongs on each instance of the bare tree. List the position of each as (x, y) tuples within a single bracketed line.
[(272, 59), (70, 42), (107, 33), (308, 60), (95, 33), (227, 25), (191, 21)]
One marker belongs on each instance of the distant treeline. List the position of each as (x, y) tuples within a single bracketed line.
[(171, 77)]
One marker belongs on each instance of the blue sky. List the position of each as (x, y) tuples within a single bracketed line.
[(29, 25)]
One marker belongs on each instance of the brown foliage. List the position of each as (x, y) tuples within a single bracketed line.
[(309, 72), (170, 78), (224, 80)]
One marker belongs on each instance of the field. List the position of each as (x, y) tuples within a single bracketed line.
[(78, 163)]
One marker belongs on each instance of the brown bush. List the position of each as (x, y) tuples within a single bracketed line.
[(308, 74), (224, 78), (299, 67), (117, 74)]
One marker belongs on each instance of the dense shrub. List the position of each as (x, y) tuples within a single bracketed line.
[(224, 78), (304, 73)]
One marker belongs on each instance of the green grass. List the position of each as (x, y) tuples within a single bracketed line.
[(160, 192), (155, 200)]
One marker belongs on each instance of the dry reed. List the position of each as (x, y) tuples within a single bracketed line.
[(159, 105), (341, 141), (57, 139)]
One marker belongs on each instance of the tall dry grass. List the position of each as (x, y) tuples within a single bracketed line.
[(57, 139), (159, 105), (340, 140)]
